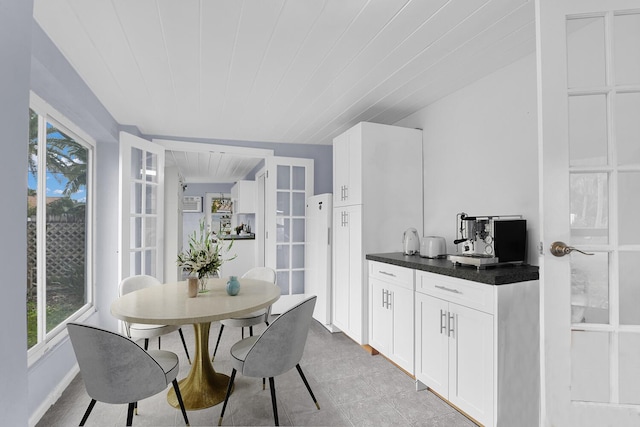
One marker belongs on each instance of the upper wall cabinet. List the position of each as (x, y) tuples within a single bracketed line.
[(347, 168), (244, 197)]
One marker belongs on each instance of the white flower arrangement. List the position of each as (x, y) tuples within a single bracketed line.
[(204, 256)]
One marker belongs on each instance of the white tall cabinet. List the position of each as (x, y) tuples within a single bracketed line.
[(377, 194)]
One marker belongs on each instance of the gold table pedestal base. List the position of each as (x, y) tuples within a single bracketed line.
[(203, 387)]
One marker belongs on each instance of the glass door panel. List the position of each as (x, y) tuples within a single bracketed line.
[(629, 283), (626, 52), (629, 363), (589, 202), (590, 288), (590, 375), (585, 67), (628, 204), (588, 130), (628, 128)]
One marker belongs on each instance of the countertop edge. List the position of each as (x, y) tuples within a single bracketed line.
[(502, 275)]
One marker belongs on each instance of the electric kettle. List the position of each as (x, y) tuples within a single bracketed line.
[(411, 241)]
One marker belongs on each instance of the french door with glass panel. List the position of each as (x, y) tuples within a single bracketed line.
[(589, 124), (142, 204), (288, 183)]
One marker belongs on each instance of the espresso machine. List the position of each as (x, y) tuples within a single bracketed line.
[(484, 241)]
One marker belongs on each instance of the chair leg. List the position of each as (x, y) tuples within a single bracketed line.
[(250, 331), (242, 332), (158, 343), (87, 412), (179, 396), (304, 380), (146, 343), (272, 385), (217, 342), (130, 413), (184, 344), (226, 398)]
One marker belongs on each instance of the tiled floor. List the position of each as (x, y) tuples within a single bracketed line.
[(353, 388)]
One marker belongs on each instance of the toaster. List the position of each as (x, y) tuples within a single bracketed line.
[(433, 247)]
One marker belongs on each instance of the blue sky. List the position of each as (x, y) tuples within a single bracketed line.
[(56, 182), (55, 186)]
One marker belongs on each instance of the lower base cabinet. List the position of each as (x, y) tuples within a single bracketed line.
[(477, 346), (391, 329), (455, 348)]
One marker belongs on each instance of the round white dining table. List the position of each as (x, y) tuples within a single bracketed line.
[(169, 304)]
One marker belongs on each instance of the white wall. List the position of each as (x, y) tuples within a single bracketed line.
[(480, 152), (15, 42)]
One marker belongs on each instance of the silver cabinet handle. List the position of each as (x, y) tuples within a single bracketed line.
[(386, 273), (389, 299), (443, 321), (346, 192), (384, 294), (451, 323), (444, 288)]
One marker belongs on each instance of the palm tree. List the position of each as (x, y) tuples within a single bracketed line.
[(64, 155)]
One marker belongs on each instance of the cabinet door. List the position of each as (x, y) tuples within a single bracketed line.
[(402, 335), (244, 195), (471, 362), (341, 269), (340, 168), (357, 292), (381, 316), (348, 262), (432, 343), (347, 168)]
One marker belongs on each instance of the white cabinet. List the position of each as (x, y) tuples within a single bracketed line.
[(244, 197), (391, 321), (377, 174), (347, 181), (476, 345), (347, 274)]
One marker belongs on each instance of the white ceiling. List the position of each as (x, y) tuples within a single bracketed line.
[(297, 71)]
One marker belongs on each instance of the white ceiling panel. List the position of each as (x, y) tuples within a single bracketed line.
[(298, 71)]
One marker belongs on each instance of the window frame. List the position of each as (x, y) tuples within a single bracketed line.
[(47, 340)]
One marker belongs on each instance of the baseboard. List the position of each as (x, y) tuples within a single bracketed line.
[(332, 328), (53, 396)]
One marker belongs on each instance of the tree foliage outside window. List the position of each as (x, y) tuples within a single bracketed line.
[(57, 279)]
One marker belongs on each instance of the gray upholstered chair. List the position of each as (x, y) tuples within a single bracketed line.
[(277, 350), (117, 370), (138, 331), (250, 320)]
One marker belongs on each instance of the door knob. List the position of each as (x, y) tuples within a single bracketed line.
[(561, 249)]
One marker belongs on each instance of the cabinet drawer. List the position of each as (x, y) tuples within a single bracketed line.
[(464, 292), (390, 273)]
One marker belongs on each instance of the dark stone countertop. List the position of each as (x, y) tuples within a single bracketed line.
[(248, 236), (498, 275)]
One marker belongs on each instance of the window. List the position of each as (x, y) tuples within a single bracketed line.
[(59, 250)]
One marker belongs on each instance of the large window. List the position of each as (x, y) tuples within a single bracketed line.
[(59, 278)]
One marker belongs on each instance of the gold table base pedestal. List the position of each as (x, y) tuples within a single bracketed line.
[(203, 387)]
